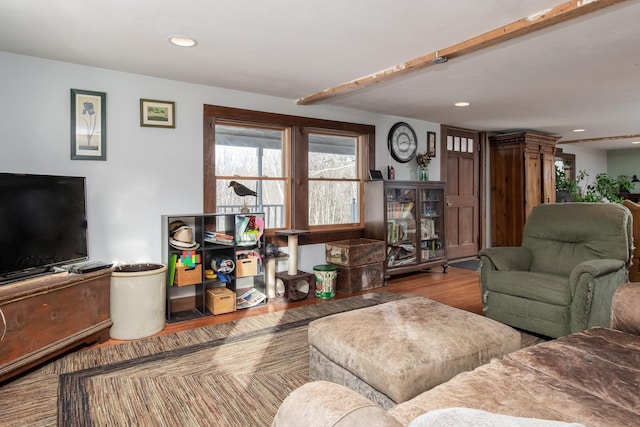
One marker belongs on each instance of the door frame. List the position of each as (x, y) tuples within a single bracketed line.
[(483, 181)]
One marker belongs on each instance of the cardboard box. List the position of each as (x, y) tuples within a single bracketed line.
[(354, 279), (246, 267), (355, 252), (188, 276), (221, 300)]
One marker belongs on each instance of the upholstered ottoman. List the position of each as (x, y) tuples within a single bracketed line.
[(394, 351)]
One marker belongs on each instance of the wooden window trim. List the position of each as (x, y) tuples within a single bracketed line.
[(300, 126)]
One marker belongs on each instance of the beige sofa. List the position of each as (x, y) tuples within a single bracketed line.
[(590, 377)]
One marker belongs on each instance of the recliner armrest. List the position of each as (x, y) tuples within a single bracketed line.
[(596, 268), (625, 315), (508, 258)]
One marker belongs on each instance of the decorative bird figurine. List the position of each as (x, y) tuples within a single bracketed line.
[(242, 191)]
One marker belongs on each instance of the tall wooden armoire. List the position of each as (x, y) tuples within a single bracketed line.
[(522, 176)]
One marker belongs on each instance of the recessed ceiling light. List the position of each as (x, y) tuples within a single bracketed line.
[(462, 104), (579, 130), (182, 41)]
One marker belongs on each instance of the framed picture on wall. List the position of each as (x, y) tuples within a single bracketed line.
[(160, 114), (88, 125), (431, 144)]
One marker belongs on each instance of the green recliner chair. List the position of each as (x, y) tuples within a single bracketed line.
[(562, 278)]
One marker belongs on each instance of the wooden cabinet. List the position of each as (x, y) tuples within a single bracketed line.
[(47, 316), (522, 176), (409, 217), (233, 245)]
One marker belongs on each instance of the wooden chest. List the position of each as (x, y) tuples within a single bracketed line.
[(355, 252), (46, 316), (361, 278)]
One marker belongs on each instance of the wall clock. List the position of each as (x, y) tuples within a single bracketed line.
[(402, 142)]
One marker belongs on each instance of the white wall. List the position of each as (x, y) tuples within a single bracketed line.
[(625, 162), (591, 160), (149, 171)]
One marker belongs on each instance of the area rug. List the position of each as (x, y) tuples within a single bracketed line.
[(230, 374)]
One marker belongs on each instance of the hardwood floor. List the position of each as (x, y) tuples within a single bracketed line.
[(458, 288)]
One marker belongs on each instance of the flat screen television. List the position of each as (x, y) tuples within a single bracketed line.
[(43, 224)]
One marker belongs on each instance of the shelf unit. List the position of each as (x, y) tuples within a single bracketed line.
[(409, 217), (246, 249)]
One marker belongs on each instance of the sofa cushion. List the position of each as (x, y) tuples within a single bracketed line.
[(569, 379), (544, 287), (602, 362)]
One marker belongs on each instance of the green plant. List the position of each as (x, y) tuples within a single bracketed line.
[(605, 188), (569, 185)]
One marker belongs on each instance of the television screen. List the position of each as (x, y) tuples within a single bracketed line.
[(43, 220)]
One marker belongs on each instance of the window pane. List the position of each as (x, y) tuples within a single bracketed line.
[(332, 156), (270, 199), (248, 151), (333, 202)]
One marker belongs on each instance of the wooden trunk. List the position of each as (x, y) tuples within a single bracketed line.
[(47, 316), (355, 252), (361, 278)]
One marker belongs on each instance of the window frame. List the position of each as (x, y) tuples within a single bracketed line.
[(300, 127)]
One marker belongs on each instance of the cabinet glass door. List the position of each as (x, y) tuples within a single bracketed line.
[(401, 226), (431, 223)]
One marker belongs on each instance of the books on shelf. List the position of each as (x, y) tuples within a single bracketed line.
[(250, 298), (398, 210), (428, 229), (218, 238)]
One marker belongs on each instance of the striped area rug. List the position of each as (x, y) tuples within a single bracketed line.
[(231, 374)]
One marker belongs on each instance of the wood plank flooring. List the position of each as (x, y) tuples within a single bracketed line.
[(458, 288)]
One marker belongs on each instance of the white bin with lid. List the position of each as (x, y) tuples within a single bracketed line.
[(138, 300)]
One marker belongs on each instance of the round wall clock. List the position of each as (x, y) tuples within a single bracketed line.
[(402, 142)]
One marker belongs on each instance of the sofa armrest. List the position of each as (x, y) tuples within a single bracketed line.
[(625, 315), (503, 258), (326, 404)]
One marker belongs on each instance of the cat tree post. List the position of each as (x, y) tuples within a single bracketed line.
[(293, 279)]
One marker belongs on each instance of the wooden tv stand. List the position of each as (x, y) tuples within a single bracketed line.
[(47, 316)]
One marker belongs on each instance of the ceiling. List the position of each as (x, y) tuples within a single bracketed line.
[(582, 73)]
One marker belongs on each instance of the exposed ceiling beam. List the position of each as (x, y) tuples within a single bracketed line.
[(546, 18), (601, 139)]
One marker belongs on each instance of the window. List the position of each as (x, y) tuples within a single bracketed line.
[(254, 157), (308, 173), (334, 179)]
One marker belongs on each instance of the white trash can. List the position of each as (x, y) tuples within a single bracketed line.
[(138, 300)]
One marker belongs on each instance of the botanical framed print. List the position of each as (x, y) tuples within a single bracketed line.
[(88, 125), (154, 113), (431, 144)]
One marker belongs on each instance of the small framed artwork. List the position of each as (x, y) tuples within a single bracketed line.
[(431, 144), (375, 175), (88, 125), (154, 113)]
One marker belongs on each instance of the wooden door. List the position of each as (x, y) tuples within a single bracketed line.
[(461, 172)]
